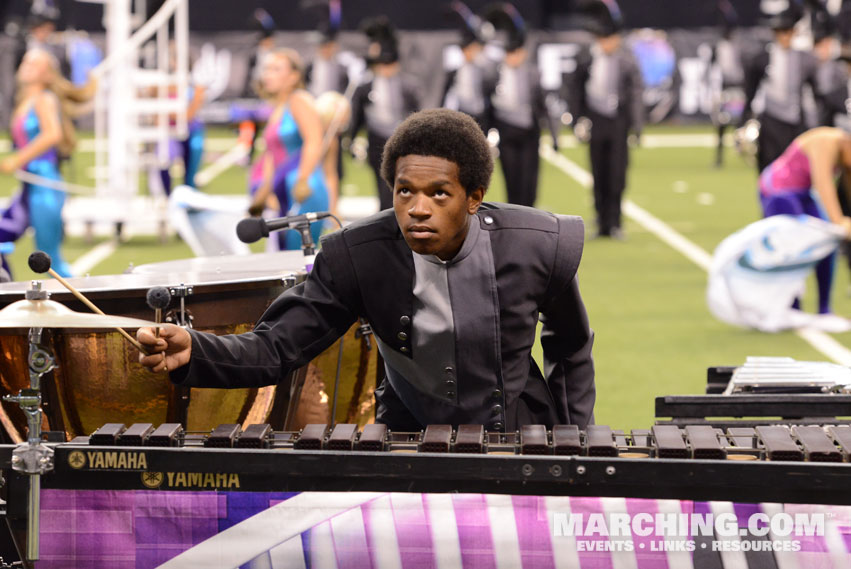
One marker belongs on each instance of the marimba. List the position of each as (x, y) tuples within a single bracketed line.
[(767, 463), (533, 474)]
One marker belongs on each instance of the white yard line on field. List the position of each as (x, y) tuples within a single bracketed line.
[(88, 260), (816, 338)]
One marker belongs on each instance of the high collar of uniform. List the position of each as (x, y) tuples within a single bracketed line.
[(474, 229)]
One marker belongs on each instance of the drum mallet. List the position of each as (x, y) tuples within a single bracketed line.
[(158, 299), (40, 261)]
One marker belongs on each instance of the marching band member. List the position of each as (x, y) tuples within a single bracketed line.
[(253, 121), (782, 72), (518, 109), (326, 73), (832, 73), (453, 292), (266, 26), (605, 91), (41, 34), (468, 88), (382, 100), (726, 77)]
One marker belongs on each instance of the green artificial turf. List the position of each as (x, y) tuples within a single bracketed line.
[(654, 333)]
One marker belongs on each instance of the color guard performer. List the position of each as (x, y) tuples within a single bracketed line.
[(605, 94), (42, 130), (802, 181), (781, 72), (383, 99), (518, 109)]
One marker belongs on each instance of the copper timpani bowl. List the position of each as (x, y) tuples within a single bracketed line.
[(309, 396), (98, 378)]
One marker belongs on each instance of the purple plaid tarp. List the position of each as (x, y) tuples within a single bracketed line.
[(143, 529)]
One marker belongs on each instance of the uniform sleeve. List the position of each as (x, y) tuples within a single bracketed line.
[(448, 80), (359, 99), (636, 95), (573, 85), (566, 337), (754, 69), (543, 115), (296, 328), (811, 66), (410, 95)]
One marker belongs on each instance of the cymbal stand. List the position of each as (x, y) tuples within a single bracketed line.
[(33, 457)]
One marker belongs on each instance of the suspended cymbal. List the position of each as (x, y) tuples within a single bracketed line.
[(51, 314)]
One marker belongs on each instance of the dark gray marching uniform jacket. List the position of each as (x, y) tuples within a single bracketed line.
[(516, 264), (782, 74), (381, 103), (607, 89)]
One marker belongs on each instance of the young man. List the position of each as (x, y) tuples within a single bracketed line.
[(453, 292)]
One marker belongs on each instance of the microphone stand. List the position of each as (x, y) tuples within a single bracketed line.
[(308, 247)]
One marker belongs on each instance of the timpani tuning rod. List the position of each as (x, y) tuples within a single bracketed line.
[(40, 262)]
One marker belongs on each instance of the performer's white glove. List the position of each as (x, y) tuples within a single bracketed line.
[(582, 129)]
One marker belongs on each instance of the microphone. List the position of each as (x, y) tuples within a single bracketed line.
[(253, 229)]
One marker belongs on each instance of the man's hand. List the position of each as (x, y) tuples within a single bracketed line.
[(168, 352), (634, 139), (582, 129)]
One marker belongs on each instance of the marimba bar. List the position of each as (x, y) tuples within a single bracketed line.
[(703, 442)]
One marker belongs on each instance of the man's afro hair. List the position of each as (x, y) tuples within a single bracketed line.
[(443, 133)]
